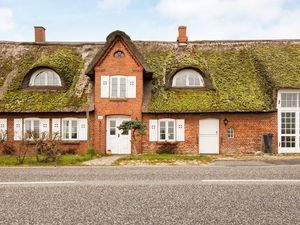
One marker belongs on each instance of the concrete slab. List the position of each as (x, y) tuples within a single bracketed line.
[(103, 161)]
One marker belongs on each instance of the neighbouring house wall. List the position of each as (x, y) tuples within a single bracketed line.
[(109, 66), (79, 147), (248, 130)]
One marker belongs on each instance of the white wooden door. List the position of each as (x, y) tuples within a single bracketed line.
[(117, 142), (209, 136)]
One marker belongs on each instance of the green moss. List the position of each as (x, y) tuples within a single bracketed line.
[(6, 66), (238, 86), (65, 62)]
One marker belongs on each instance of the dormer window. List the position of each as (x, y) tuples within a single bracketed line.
[(187, 78), (44, 77)]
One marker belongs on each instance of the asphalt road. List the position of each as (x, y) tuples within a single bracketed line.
[(151, 195)]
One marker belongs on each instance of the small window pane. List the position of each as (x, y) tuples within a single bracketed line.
[(171, 130), (36, 128), (162, 130), (40, 79), (74, 129), (66, 126), (122, 87), (112, 125), (114, 87)]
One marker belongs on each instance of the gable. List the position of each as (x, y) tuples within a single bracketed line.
[(112, 38), (111, 61)]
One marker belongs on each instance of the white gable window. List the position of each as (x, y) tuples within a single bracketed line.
[(166, 130), (45, 77), (187, 78), (118, 87)]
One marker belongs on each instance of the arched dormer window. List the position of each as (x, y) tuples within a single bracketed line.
[(187, 78), (44, 77)]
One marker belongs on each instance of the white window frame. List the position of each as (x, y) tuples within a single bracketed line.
[(187, 73), (40, 71), (230, 132), (167, 130), (32, 120), (70, 129), (118, 87), (295, 110)]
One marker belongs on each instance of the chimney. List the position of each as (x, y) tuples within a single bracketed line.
[(40, 34), (182, 38)]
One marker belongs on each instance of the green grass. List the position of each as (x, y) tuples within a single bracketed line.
[(64, 160), (162, 158)]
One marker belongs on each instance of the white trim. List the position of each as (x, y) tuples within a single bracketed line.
[(46, 71), (118, 86), (167, 129), (186, 73), (295, 110), (70, 119)]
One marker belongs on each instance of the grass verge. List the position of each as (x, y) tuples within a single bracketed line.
[(64, 160), (163, 158)]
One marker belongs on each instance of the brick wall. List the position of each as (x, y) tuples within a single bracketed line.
[(110, 65), (67, 146), (248, 129)]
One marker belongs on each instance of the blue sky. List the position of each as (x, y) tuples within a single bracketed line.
[(93, 20)]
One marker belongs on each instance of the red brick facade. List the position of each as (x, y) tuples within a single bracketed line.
[(248, 130), (109, 66), (67, 146)]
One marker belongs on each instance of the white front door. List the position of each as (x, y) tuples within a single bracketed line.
[(117, 142), (209, 136)]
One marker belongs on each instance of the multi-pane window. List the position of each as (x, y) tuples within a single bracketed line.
[(167, 130), (290, 100), (118, 87), (230, 132), (288, 129), (289, 121), (187, 78), (70, 129), (32, 128), (45, 77)]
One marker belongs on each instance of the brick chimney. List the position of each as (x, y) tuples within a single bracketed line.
[(40, 34), (182, 38)]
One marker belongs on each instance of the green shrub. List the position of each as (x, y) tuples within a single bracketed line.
[(91, 151), (167, 148)]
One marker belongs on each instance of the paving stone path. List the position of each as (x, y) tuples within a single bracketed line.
[(103, 161)]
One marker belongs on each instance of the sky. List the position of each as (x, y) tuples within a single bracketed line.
[(93, 20)]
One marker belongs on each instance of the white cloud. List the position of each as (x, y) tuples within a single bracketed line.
[(6, 19), (222, 19), (113, 4)]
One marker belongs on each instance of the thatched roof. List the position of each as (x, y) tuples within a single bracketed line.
[(244, 74)]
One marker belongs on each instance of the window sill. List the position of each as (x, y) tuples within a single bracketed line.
[(118, 99), (70, 142), (167, 142)]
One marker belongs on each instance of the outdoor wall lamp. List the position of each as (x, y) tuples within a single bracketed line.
[(225, 121)]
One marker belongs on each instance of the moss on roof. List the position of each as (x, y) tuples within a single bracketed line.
[(67, 61), (244, 74)]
